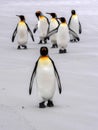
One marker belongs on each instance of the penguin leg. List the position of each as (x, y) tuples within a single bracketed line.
[(50, 103), (42, 104)]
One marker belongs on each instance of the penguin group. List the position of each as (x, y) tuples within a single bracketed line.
[(57, 30), (59, 33)]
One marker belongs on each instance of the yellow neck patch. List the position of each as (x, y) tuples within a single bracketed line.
[(74, 16), (41, 17), (21, 23), (44, 59), (53, 20), (63, 24)]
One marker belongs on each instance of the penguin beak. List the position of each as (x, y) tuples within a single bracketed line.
[(17, 15), (48, 13), (58, 18)]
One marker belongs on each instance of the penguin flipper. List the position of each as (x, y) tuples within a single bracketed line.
[(57, 76), (35, 28), (69, 22), (52, 32), (31, 34), (74, 34), (32, 78), (80, 28), (14, 34)]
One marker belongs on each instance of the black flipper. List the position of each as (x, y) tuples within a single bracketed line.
[(80, 28), (69, 22), (74, 34), (57, 76), (52, 32), (35, 28), (48, 24), (31, 34), (32, 77), (14, 34), (49, 34)]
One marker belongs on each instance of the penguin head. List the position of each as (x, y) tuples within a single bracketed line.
[(62, 19), (52, 14), (22, 18), (43, 51), (38, 13), (73, 12)]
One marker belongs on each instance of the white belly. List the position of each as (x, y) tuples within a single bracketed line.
[(46, 81), (22, 35), (53, 38), (63, 37), (42, 28), (74, 25)]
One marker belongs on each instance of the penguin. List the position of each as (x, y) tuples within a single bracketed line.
[(75, 25), (54, 23), (42, 26), (62, 35), (22, 30), (46, 77)]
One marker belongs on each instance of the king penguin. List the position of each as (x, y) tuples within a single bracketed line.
[(62, 35), (75, 25), (42, 26), (22, 30), (54, 23), (46, 77)]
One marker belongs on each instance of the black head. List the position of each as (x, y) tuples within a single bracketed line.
[(52, 14), (38, 13), (22, 18), (44, 51), (62, 19), (73, 12)]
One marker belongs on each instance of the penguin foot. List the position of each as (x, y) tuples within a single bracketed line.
[(73, 40), (54, 46), (50, 103), (42, 105), (24, 46), (62, 51), (40, 42), (19, 47), (45, 41)]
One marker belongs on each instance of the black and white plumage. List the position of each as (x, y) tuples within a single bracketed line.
[(46, 77), (42, 26), (54, 23), (22, 30), (74, 25)]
